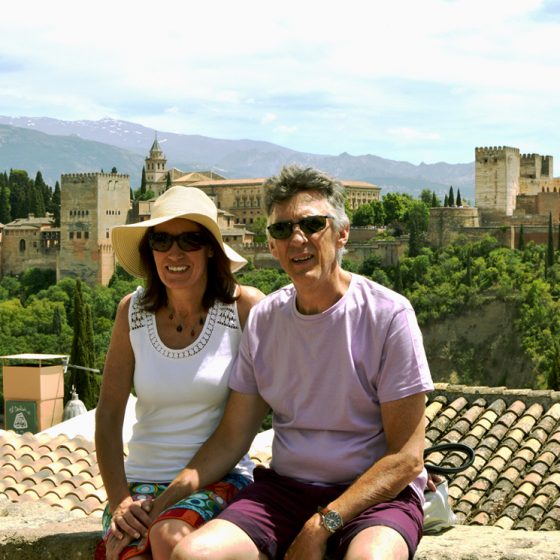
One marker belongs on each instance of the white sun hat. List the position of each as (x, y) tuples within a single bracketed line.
[(177, 202)]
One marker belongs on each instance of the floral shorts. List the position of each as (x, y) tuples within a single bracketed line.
[(195, 510)]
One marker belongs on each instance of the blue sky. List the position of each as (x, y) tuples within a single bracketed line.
[(408, 80)]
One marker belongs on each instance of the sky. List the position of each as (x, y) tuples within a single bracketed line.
[(418, 81)]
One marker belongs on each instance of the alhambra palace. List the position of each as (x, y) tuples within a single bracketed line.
[(511, 190)]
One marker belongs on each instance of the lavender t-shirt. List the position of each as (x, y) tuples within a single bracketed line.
[(325, 375)]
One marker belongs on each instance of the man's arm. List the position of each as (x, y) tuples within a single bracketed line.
[(232, 438), (403, 424)]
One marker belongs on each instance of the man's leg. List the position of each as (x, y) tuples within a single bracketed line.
[(217, 540), (377, 543)]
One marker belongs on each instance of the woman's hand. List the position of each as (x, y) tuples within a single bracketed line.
[(131, 518)]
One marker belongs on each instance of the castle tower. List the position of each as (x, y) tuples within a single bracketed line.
[(497, 172), (91, 204), (155, 169)]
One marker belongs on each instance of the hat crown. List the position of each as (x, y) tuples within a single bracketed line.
[(178, 201)]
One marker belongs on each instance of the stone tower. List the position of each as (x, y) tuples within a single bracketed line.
[(155, 169), (497, 173), (91, 204)]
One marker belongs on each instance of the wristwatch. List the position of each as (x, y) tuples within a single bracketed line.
[(330, 519)]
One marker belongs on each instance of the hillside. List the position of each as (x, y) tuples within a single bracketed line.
[(54, 155), (231, 158)]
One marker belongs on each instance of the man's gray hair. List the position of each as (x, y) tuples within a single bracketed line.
[(294, 179)]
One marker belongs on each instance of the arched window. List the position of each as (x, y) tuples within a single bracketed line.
[(22, 245)]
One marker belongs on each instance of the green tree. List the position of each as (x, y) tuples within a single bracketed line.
[(5, 205), (553, 377), (446, 201), (258, 227), (81, 353), (417, 218), (56, 204), (369, 265), (364, 215), (19, 184), (550, 244), (167, 180), (451, 197), (521, 240), (426, 196), (458, 202), (143, 183), (435, 200), (396, 206), (39, 190)]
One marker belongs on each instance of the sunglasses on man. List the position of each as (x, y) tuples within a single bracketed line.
[(188, 241), (309, 225)]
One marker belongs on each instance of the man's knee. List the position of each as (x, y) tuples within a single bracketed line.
[(378, 543)]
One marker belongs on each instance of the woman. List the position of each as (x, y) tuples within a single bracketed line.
[(173, 340)]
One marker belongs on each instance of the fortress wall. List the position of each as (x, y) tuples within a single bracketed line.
[(497, 171)]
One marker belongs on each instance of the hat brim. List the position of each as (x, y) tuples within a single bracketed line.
[(126, 242)]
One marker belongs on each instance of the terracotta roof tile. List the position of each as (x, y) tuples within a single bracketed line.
[(514, 481)]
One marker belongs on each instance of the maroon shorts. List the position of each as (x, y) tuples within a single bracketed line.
[(274, 508)]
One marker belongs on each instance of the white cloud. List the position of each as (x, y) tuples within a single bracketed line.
[(346, 74), (412, 135)]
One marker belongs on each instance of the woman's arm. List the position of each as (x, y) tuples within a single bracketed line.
[(115, 390)]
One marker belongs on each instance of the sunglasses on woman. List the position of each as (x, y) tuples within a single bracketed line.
[(309, 225), (188, 241)]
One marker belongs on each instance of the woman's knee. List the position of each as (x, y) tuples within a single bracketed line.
[(165, 534)]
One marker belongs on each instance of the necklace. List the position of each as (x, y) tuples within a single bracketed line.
[(180, 326)]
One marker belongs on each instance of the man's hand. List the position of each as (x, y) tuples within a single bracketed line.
[(311, 542), (131, 518), (433, 481)]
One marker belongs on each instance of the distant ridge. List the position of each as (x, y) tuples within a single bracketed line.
[(55, 147)]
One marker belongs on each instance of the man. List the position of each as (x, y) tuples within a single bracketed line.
[(340, 361)]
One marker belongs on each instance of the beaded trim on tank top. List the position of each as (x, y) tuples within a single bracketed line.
[(219, 313)]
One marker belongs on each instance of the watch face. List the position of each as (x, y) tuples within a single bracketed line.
[(332, 521)]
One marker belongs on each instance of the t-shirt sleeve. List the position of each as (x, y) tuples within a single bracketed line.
[(242, 378), (404, 367)]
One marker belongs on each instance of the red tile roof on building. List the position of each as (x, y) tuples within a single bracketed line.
[(514, 482)]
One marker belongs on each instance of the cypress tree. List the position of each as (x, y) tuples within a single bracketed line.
[(451, 197), (5, 206), (143, 182), (446, 201), (80, 354), (553, 377), (459, 201), (434, 200), (57, 321), (550, 245), (39, 188), (56, 204), (167, 180), (521, 241)]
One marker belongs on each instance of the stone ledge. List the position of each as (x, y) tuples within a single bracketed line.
[(66, 540), (471, 543), (78, 538)]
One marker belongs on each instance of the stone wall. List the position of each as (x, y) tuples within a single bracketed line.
[(447, 223), (497, 172), (91, 204)]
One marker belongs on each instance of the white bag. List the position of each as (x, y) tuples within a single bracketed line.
[(438, 514)]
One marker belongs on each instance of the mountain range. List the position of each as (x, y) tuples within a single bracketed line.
[(55, 147)]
